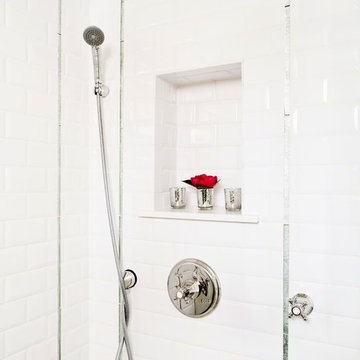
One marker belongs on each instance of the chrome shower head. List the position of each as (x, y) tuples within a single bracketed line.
[(93, 36)]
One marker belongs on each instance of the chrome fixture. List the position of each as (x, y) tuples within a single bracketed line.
[(127, 279), (130, 279), (95, 37), (193, 288), (301, 305)]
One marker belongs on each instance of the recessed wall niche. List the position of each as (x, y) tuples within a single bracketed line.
[(198, 129)]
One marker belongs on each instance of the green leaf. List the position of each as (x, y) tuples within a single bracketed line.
[(188, 182)]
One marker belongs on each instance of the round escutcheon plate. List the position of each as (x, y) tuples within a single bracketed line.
[(193, 288)]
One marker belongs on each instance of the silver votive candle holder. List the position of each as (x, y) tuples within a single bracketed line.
[(232, 199), (177, 197)]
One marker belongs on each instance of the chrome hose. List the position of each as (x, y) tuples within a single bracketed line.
[(124, 338)]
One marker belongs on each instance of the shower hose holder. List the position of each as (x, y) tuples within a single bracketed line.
[(130, 279), (101, 89)]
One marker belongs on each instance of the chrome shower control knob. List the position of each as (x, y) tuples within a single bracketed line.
[(301, 305), (193, 288), (189, 291)]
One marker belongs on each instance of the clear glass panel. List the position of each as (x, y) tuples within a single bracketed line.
[(181, 120), (90, 320), (325, 178)]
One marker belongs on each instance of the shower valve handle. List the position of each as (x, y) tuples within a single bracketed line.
[(191, 288), (301, 305), (189, 291)]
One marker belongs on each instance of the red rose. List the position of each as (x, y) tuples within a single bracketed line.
[(204, 180)]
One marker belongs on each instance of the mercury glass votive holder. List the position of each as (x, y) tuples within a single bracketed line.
[(177, 197), (205, 198), (232, 199)]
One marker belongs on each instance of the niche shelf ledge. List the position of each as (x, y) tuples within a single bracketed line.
[(217, 214)]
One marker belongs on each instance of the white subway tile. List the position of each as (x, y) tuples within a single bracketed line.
[(228, 89), (264, 69), (306, 92), (185, 114), (305, 349), (325, 238), (42, 304), (13, 260), (249, 316), (228, 134), (20, 232), (76, 293), (208, 333), (325, 179), (263, 152), (12, 152), (327, 268), (211, 158), (250, 262), (255, 288), (12, 314), (262, 124), (46, 350), (19, 356), (21, 74), (25, 179), (23, 336), (12, 206), (42, 204), (217, 111), (41, 104), (253, 179), (343, 89), (41, 255), (318, 120), (25, 284), (71, 317), (47, 11), (196, 93), (256, 97), (15, 44), (23, 127)]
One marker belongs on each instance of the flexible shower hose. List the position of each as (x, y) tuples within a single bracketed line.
[(124, 338)]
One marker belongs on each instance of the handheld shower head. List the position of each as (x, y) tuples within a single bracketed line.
[(93, 36)]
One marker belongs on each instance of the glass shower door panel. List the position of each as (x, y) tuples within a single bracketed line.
[(325, 179), (183, 120), (89, 283)]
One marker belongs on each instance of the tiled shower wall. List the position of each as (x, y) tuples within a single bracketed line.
[(28, 180), (163, 37), (325, 177)]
